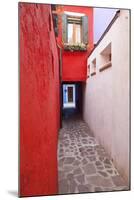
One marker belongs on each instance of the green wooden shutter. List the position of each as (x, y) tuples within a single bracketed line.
[(85, 29), (64, 28), (55, 24)]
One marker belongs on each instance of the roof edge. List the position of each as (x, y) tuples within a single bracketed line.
[(106, 30)]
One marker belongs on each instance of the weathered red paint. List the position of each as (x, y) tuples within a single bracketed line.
[(39, 101), (74, 67)]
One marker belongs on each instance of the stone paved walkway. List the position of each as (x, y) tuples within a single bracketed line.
[(83, 165)]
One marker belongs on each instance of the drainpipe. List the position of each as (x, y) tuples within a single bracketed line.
[(60, 70)]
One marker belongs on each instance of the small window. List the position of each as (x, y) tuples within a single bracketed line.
[(88, 70), (75, 29), (93, 67), (106, 58)]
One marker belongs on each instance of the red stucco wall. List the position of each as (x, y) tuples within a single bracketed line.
[(74, 66), (39, 101)]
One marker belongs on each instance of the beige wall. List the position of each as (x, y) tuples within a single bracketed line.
[(106, 95)]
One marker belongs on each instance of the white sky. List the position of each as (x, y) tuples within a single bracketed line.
[(102, 18)]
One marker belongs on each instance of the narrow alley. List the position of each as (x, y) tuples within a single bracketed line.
[(83, 164), (74, 99)]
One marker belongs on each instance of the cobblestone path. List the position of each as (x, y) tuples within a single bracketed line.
[(83, 165)]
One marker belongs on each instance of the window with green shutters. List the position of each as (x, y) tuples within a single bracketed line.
[(64, 28), (74, 29), (85, 29)]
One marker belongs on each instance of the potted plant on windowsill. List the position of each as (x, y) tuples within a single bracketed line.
[(75, 47)]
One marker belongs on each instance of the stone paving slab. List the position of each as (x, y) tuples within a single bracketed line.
[(83, 164)]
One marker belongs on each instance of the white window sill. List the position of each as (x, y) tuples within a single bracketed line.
[(107, 65), (93, 73)]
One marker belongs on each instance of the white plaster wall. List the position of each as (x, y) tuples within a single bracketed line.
[(106, 95)]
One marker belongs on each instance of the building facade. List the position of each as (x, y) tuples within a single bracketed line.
[(39, 101), (106, 92), (75, 37)]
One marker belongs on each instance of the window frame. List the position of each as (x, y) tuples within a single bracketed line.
[(68, 104), (93, 67), (74, 21), (106, 54), (84, 32)]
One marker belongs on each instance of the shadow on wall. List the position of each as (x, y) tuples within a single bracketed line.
[(13, 193)]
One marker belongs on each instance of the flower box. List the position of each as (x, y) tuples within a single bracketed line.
[(75, 47)]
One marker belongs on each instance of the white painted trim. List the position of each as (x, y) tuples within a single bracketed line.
[(74, 14)]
